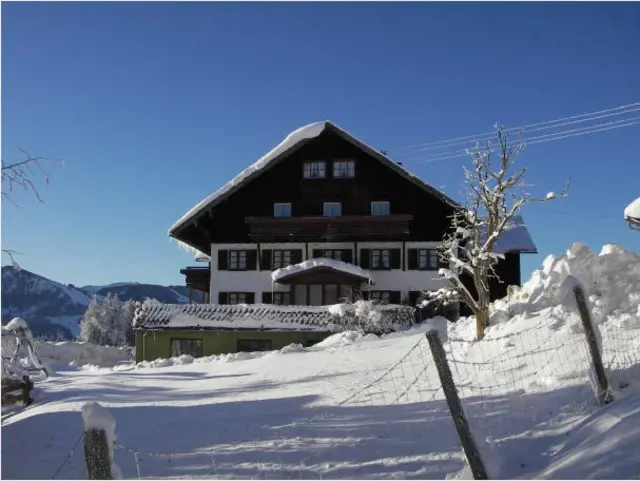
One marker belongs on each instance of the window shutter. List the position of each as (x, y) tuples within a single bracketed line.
[(347, 255), (296, 256), (394, 297), (265, 261), (250, 297), (365, 258), (223, 259), (267, 298), (316, 253), (413, 298), (223, 298), (394, 258), (412, 259), (252, 260)]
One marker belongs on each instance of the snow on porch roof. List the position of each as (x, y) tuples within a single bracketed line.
[(516, 239), (321, 262), (294, 140), (632, 211)]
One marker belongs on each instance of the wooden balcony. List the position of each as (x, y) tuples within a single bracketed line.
[(329, 229), (197, 279)]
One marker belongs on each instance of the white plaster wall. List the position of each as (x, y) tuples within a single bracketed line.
[(260, 281)]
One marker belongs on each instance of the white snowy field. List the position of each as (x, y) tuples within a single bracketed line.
[(367, 407)]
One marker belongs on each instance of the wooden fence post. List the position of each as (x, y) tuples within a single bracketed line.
[(455, 407), (99, 433), (604, 394)]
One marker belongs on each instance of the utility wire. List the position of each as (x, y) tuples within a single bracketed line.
[(549, 123)]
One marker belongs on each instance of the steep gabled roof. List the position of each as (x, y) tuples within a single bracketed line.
[(291, 143)]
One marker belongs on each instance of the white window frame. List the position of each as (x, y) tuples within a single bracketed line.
[(325, 205), (238, 297), (316, 169), (237, 260), (344, 169), (282, 205), (376, 204)]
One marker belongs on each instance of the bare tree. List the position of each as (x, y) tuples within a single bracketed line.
[(495, 194), (21, 174)]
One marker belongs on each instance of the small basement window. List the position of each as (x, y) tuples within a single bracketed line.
[(191, 347), (282, 210), (380, 208), (332, 209), (314, 170), (344, 169), (253, 345)]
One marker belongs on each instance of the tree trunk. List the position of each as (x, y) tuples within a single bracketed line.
[(482, 317)]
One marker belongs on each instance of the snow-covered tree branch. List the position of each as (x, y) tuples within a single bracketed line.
[(21, 174), (494, 196)]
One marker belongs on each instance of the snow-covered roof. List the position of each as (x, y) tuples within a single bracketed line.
[(321, 262), (516, 238), (632, 211), (294, 140), (201, 257), (238, 317)]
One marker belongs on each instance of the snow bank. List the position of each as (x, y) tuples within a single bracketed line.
[(82, 354)]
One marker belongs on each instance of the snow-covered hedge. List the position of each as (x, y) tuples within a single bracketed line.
[(82, 353), (372, 318)]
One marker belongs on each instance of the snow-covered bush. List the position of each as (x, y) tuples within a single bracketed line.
[(108, 322), (370, 317)]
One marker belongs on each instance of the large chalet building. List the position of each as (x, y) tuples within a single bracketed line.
[(321, 218)]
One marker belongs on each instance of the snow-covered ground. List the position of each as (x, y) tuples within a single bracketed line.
[(365, 407)]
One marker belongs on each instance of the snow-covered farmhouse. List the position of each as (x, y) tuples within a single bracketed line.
[(321, 218)]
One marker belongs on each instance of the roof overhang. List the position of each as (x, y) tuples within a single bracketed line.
[(632, 214)]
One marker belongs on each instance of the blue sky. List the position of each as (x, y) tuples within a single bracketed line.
[(155, 105)]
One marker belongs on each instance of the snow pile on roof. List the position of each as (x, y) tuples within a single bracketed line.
[(611, 281), (632, 211), (516, 238), (202, 257), (321, 262)]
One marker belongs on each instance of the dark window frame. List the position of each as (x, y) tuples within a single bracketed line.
[(335, 254), (380, 255), (266, 343), (428, 259), (314, 169), (282, 204), (199, 345), (282, 261), (238, 254), (236, 295), (326, 204), (381, 202), (344, 169), (281, 298)]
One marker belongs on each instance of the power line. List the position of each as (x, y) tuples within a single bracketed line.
[(602, 127), (537, 124)]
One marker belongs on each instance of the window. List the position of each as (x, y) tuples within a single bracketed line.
[(381, 296), (237, 260), (380, 259), (191, 347), (280, 259), (282, 298), (314, 170), (282, 210), (335, 254), (427, 259), (252, 345), (344, 169), (238, 298), (332, 209), (380, 208)]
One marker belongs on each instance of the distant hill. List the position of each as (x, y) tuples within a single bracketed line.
[(53, 310)]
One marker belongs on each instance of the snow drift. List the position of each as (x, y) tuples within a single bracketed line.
[(82, 353)]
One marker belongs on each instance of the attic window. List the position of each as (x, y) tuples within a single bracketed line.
[(380, 208), (344, 169), (282, 210), (314, 170)]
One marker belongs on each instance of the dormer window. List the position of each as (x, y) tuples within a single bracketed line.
[(344, 169), (380, 208), (314, 170), (282, 210)]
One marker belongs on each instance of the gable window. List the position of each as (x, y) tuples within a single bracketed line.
[(280, 259), (252, 345), (192, 347), (344, 169), (237, 260), (427, 259), (282, 210), (282, 298), (380, 208), (380, 259), (314, 170), (332, 209)]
